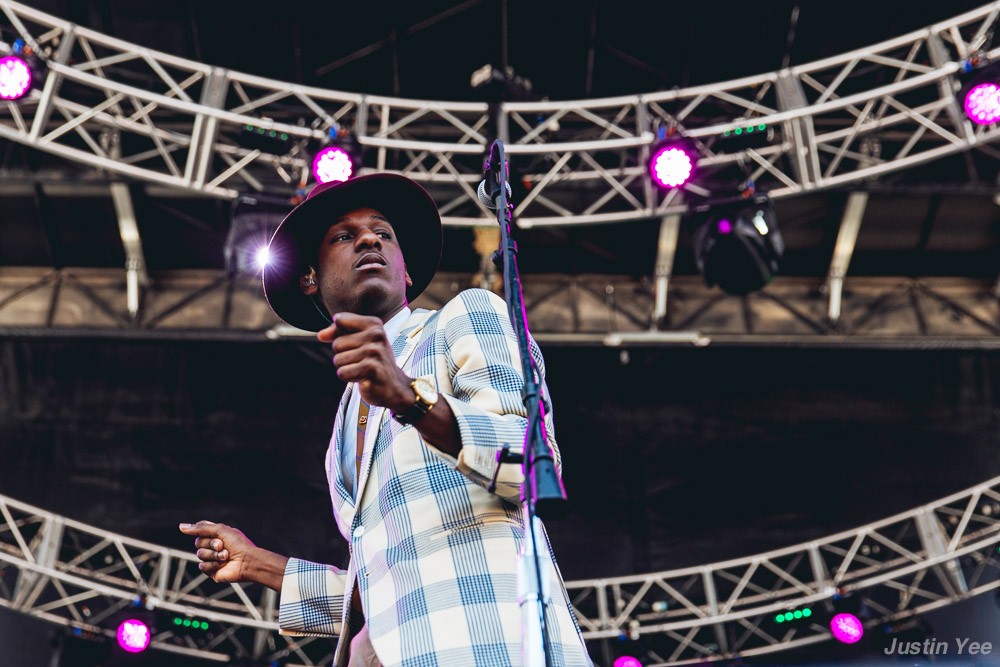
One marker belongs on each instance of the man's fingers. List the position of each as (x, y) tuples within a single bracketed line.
[(327, 335), (200, 529), (209, 568), (348, 342), (349, 357), (208, 555), (363, 370), (374, 336), (350, 322), (208, 543)]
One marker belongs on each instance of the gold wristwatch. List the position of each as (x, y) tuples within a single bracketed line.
[(427, 396)]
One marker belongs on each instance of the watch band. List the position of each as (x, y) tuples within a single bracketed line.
[(420, 407), (412, 413)]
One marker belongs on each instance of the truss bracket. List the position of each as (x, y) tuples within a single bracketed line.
[(206, 128), (52, 83), (939, 57), (935, 542), (798, 131), (846, 240), (666, 249), (46, 554)]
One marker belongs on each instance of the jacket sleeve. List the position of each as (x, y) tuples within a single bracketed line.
[(312, 599), (483, 368)]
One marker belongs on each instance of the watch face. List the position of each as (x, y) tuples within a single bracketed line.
[(425, 390)]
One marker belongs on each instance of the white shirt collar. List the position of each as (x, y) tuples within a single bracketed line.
[(395, 324)]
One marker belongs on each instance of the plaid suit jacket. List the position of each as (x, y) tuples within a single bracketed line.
[(433, 553)]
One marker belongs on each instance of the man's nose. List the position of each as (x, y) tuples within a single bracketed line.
[(368, 239)]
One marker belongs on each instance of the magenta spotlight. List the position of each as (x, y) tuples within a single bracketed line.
[(133, 635), (262, 257), (671, 166), (627, 661), (15, 78), (847, 628), (982, 104), (724, 226), (332, 164)]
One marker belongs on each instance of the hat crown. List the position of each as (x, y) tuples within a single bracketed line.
[(320, 188)]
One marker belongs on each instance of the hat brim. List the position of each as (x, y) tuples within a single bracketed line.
[(410, 210)]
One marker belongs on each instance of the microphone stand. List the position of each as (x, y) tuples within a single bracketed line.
[(542, 493)]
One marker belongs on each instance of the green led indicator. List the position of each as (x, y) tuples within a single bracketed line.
[(284, 136), (187, 622), (738, 131), (749, 129), (789, 615), (797, 614), (204, 625), (249, 128), (762, 127), (726, 133), (177, 621), (780, 618), (807, 612), (272, 134)]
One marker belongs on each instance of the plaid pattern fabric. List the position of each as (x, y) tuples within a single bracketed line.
[(433, 552)]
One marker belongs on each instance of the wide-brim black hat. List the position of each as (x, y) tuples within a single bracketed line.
[(410, 210)]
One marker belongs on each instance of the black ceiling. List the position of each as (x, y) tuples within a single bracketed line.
[(639, 46)]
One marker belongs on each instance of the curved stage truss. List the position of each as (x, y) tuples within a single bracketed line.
[(151, 116), (80, 576)]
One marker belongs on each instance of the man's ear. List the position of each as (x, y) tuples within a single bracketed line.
[(409, 280), (307, 282)]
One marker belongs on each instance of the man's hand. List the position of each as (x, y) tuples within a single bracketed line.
[(227, 556), (224, 551), (363, 354)]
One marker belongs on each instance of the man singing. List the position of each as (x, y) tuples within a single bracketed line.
[(432, 396)]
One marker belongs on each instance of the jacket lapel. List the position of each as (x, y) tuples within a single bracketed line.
[(338, 431)]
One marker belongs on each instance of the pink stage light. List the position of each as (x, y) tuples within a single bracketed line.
[(332, 164), (982, 104), (627, 661), (847, 628), (671, 166), (15, 78), (133, 635)]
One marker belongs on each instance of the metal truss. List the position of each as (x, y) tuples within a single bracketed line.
[(616, 311), (79, 576), (152, 116), (892, 569)]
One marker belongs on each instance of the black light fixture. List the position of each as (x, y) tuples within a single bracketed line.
[(738, 245), (262, 135)]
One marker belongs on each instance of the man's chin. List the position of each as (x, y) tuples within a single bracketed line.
[(370, 298)]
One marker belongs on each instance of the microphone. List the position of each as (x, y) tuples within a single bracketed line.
[(486, 199)]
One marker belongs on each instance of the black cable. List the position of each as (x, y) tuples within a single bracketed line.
[(792, 23)]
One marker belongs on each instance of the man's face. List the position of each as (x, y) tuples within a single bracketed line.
[(360, 266)]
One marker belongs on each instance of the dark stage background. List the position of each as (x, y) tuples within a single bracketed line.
[(678, 457)]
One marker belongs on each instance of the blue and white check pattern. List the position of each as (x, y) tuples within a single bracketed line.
[(433, 552)]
